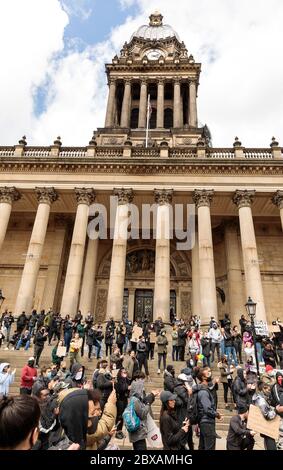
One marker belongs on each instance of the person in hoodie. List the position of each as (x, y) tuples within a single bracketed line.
[(207, 411), (183, 390), (28, 377), (162, 343), (269, 356), (268, 376), (77, 379), (174, 437), (239, 437), (142, 403), (7, 377), (122, 387), (206, 349), (104, 382), (277, 402), (242, 390), (261, 399), (194, 348), (170, 381)]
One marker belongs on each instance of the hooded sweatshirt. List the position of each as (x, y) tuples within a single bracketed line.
[(142, 409), (73, 415), (6, 379), (76, 383), (277, 392)]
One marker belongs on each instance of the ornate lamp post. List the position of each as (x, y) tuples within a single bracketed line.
[(251, 311)]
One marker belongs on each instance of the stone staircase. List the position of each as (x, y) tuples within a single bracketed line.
[(18, 359)]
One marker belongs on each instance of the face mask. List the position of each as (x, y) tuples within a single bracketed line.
[(94, 422), (78, 375)]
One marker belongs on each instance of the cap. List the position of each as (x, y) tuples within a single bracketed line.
[(268, 368), (166, 396), (184, 378), (30, 359)]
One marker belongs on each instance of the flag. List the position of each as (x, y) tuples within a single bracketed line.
[(149, 108)]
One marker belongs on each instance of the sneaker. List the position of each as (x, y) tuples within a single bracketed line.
[(158, 371), (120, 435)]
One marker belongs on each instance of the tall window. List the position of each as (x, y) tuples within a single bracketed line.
[(135, 118), (168, 118), (153, 119)]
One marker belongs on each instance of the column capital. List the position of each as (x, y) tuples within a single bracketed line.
[(161, 81), (203, 197), (144, 81), (192, 81), (9, 195), (46, 195), (278, 199), (163, 196), (85, 196), (127, 81), (112, 81), (125, 196), (177, 80), (243, 198)]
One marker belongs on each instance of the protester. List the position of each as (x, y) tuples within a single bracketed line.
[(243, 324), (268, 377), (239, 437), (261, 400), (39, 341), (183, 390), (121, 336), (215, 338), (116, 359), (13, 340), (68, 332), (24, 340), (109, 338), (8, 320), (162, 343), (249, 352), (269, 356), (170, 381), (20, 415), (32, 322), (205, 349), (142, 355), (174, 336), (122, 387), (277, 402), (207, 412), (55, 358), (130, 364), (22, 322), (230, 350), (98, 338), (241, 389), (75, 346), (81, 330), (238, 343), (142, 409), (104, 382), (226, 378), (90, 341), (173, 437), (77, 376), (28, 376), (7, 377), (194, 348)]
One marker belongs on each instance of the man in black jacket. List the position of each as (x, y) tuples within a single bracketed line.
[(207, 412), (181, 343), (170, 381), (239, 437), (39, 340), (142, 355)]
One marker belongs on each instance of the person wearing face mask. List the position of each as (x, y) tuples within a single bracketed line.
[(63, 372), (21, 416), (277, 402), (28, 377), (194, 348), (82, 419), (162, 343), (122, 388), (205, 346), (261, 400), (207, 411), (170, 381), (39, 341), (173, 436), (76, 380), (142, 355), (104, 382), (242, 390)]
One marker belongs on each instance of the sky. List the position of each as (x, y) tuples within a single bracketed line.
[(52, 76)]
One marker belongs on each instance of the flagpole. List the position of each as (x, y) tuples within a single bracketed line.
[(147, 122)]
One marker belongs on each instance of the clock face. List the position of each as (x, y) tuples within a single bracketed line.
[(154, 54)]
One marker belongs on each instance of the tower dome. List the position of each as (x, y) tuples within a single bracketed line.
[(156, 30)]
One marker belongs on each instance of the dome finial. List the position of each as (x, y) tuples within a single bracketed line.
[(156, 19)]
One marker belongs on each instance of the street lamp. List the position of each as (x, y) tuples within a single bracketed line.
[(251, 311)]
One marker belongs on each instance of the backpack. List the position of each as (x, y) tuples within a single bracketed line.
[(192, 408), (130, 417)]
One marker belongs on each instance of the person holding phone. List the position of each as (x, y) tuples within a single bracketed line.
[(122, 387), (174, 437)]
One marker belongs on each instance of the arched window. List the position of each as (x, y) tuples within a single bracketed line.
[(168, 118), (135, 118)]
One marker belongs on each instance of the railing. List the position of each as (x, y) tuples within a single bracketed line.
[(221, 153), (183, 153), (73, 152), (106, 152), (258, 154), (145, 152), (6, 151), (33, 152)]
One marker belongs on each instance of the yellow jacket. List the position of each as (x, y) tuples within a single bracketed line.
[(105, 424)]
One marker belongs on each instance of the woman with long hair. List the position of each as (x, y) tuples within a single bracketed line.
[(174, 437)]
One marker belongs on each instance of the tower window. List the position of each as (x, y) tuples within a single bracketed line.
[(168, 91), (136, 91), (152, 91), (135, 118), (168, 118)]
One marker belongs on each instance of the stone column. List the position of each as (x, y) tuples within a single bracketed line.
[(160, 104), (196, 301), (109, 121), (54, 268), (161, 306), (203, 199), (193, 117), (131, 307), (7, 197), (87, 298), (177, 102), (70, 298), (24, 302), (143, 105), (244, 200), (237, 299), (125, 116), (118, 262), (278, 201)]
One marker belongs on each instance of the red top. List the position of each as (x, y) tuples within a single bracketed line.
[(27, 375)]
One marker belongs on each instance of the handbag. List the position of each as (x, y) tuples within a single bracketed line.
[(153, 436)]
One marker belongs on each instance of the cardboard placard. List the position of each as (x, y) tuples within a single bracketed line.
[(274, 329), (137, 332), (258, 423), (61, 351), (261, 328), (152, 337)]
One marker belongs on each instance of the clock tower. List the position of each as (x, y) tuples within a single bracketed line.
[(155, 63)]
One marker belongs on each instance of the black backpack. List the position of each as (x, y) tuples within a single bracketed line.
[(192, 408)]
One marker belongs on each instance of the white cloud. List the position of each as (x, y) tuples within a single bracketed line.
[(238, 43), (80, 8)]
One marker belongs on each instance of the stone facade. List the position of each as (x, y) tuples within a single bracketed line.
[(47, 259)]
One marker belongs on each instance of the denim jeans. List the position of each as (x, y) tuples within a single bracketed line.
[(19, 345), (174, 353), (222, 348), (230, 350), (206, 361), (98, 350)]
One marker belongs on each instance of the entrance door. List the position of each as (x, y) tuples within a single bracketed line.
[(144, 306)]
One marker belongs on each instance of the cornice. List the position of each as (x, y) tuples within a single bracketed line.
[(141, 166)]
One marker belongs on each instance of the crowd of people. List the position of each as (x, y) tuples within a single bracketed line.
[(62, 407)]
